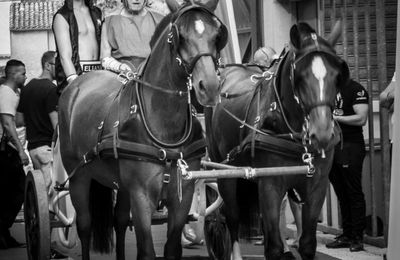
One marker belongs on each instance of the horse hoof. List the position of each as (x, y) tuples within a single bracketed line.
[(288, 256)]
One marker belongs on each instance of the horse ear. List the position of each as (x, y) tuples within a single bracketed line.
[(210, 4), (335, 34), (173, 5), (295, 36)]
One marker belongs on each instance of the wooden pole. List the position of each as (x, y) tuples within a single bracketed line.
[(370, 117), (246, 172), (383, 113), (393, 251)]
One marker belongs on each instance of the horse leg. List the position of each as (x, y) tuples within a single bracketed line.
[(177, 213), (79, 189), (270, 207), (227, 189), (310, 213), (121, 221)]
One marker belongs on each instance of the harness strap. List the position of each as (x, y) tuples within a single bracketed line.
[(128, 149), (271, 143)]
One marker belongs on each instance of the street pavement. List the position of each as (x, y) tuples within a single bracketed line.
[(249, 250)]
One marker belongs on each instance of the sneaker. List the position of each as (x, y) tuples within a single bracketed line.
[(356, 245), (340, 242)]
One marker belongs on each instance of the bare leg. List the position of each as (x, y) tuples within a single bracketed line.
[(296, 210), (282, 225)]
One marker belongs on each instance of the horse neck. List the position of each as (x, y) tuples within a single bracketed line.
[(164, 110), (292, 109)]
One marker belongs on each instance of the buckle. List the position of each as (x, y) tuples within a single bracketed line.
[(162, 154)]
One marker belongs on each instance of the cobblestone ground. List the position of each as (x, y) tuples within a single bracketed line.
[(249, 250)]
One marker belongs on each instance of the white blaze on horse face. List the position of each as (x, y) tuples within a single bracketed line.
[(199, 26), (319, 70)]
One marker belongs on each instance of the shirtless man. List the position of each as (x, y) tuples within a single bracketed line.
[(76, 19), (125, 37)]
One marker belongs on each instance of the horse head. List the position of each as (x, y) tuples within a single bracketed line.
[(316, 73), (196, 37)]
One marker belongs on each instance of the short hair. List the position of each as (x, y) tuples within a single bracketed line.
[(47, 57), (12, 64)]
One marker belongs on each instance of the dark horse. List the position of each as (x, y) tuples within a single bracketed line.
[(128, 137), (275, 119)]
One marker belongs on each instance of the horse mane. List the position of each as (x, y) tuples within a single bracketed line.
[(160, 28)]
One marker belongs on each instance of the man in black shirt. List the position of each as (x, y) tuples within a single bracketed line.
[(39, 104), (351, 112)]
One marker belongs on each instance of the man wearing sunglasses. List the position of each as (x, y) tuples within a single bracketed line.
[(38, 107)]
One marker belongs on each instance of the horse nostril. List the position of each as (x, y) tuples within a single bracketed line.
[(201, 86)]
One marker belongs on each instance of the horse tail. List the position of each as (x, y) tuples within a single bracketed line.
[(101, 211), (247, 199)]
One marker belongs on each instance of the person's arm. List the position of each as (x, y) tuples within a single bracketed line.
[(19, 119), (107, 61), (386, 98), (62, 37), (358, 119), (8, 123), (53, 118)]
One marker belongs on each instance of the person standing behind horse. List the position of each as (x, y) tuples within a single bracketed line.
[(125, 37), (77, 31), (12, 153), (38, 105), (351, 112)]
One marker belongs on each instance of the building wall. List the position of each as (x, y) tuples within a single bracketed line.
[(28, 46), (5, 45)]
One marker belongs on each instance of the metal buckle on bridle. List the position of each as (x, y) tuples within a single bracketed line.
[(308, 159), (182, 173), (162, 154), (126, 76), (268, 75)]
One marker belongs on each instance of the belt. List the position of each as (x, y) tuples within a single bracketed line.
[(90, 65)]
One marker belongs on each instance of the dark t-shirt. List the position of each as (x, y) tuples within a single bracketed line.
[(352, 94), (38, 99)]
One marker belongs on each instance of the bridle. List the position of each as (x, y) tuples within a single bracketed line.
[(174, 37), (297, 57), (173, 40)]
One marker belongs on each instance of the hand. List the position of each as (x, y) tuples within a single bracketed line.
[(24, 158), (124, 67), (71, 78)]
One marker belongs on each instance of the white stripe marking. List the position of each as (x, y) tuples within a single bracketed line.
[(319, 70), (199, 26)]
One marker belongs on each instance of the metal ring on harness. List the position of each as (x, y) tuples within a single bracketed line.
[(162, 154), (249, 173), (269, 73)]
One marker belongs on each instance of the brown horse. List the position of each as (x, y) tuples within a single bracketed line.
[(275, 118), (128, 137)]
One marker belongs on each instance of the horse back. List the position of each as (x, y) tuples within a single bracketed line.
[(224, 133)]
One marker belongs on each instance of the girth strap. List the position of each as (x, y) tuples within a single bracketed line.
[(271, 143), (128, 149)]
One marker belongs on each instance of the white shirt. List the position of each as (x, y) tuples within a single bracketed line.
[(9, 100)]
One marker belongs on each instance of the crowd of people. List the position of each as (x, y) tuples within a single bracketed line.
[(85, 42)]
